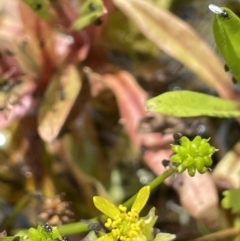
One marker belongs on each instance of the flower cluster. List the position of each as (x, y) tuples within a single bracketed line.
[(193, 155), (127, 225)]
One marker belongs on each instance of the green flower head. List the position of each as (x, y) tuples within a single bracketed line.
[(193, 155), (127, 225)]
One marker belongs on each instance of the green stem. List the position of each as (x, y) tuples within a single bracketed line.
[(73, 228)]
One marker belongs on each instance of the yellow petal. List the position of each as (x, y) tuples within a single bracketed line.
[(141, 199), (106, 207)]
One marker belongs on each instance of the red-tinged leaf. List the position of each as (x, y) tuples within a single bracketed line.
[(199, 196), (40, 41), (130, 98), (59, 99), (180, 41)]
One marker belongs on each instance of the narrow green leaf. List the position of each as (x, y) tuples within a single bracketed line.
[(226, 27), (189, 104), (106, 207)]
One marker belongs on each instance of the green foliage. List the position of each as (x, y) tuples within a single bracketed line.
[(231, 200), (189, 104), (226, 33), (193, 155), (41, 233), (90, 11)]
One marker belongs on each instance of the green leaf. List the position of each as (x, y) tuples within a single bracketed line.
[(90, 11), (227, 38), (165, 237), (106, 207), (232, 200), (189, 104), (141, 199)]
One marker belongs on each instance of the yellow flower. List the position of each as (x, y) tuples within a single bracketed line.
[(127, 225)]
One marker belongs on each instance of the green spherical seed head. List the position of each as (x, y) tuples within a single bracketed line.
[(193, 155)]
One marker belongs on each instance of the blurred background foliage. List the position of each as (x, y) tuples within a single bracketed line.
[(63, 137)]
